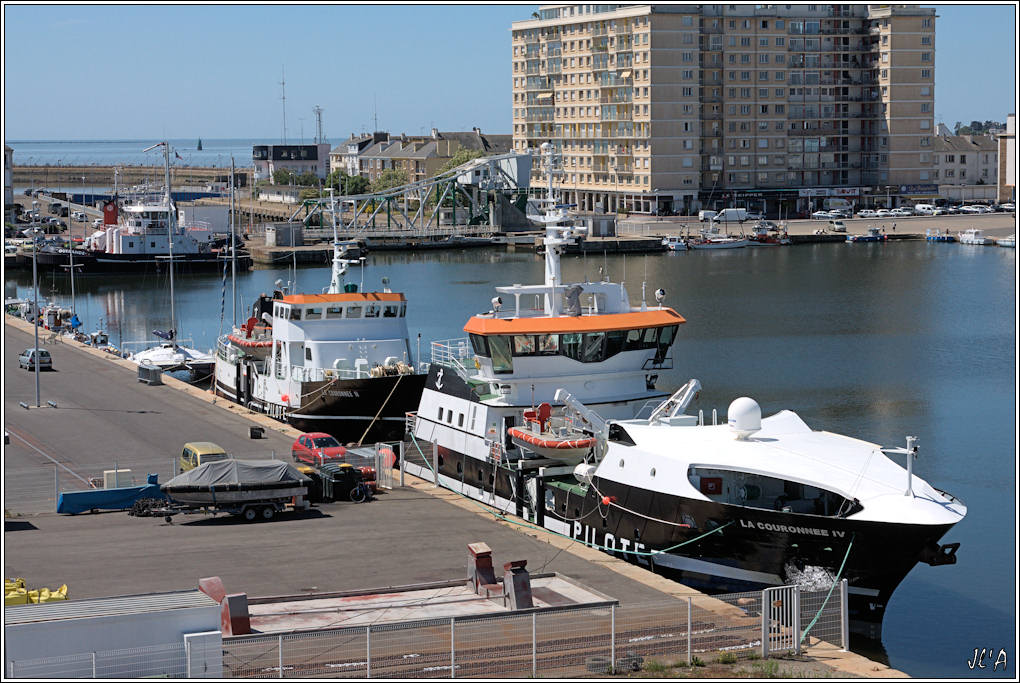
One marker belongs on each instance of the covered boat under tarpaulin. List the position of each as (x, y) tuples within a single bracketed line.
[(237, 481), (123, 498)]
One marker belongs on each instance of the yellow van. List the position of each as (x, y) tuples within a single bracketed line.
[(197, 453)]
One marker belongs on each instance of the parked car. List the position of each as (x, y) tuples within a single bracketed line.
[(884, 213), (706, 215), (1009, 206), (822, 216), (903, 211), (940, 211), (197, 453), (837, 226), (731, 215), (27, 359), (971, 209), (98, 223), (755, 216), (314, 448), (866, 213)]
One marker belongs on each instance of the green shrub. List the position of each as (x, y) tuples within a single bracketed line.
[(727, 658)]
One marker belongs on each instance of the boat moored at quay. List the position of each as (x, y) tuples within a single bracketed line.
[(337, 362), (551, 413)]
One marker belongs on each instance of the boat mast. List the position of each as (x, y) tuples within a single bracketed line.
[(233, 245), (339, 264)]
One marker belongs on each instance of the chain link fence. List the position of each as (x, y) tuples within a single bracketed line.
[(154, 661)]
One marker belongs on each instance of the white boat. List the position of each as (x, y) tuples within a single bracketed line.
[(974, 236), (674, 243), (337, 362), (713, 239), (170, 355), (1007, 241)]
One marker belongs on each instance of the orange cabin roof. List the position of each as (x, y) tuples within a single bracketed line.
[(568, 324), (342, 297)]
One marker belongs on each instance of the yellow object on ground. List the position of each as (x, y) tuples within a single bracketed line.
[(13, 584), (19, 596)]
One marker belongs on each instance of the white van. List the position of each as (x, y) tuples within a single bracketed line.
[(730, 216), (706, 215), (924, 209)]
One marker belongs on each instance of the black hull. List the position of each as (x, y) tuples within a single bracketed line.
[(750, 548), (88, 263), (347, 408)]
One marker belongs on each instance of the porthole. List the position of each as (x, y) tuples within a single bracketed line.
[(652, 473), (621, 462), (460, 468)]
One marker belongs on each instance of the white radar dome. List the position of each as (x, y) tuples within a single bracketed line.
[(744, 416)]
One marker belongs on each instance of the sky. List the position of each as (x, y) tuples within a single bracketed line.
[(76, 72)]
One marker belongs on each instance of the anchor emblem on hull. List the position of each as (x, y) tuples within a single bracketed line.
[(439, 379)]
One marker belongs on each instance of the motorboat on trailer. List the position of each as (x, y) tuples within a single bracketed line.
[(337, 362), (235, 482)]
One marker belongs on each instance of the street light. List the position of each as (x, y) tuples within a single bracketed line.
[(35, 309)]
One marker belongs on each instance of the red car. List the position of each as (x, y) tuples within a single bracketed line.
[(315, 448)]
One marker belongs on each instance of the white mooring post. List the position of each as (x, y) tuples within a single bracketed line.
[(796, 618), (844, 616), (690, 610), (435, 467), (94, 666), (281, 655), (765, 611)]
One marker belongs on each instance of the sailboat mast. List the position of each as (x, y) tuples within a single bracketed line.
[(171, 227), (233, 248)]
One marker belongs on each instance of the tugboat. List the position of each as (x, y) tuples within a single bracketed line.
[(337, 362), (758, 503)]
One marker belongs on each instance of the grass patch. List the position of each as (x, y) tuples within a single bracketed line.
[(696, 661), (727, 658)]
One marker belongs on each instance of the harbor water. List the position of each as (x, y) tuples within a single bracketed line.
[(215, 152), (875, 341)]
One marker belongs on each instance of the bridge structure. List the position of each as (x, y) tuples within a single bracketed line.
[(461, 201)]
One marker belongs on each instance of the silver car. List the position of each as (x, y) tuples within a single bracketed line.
[(25, 360)]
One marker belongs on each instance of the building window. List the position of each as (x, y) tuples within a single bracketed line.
[(925, 56), (925, 40), (925, 73)]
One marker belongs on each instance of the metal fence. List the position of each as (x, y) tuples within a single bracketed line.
[(569, 642), (154, 661), (566, 642)]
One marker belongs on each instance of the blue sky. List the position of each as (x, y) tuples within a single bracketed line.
[(130, 72)]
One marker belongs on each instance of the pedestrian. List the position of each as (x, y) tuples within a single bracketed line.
[(894, 227)]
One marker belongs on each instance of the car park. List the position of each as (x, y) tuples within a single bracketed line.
[(27, 359)]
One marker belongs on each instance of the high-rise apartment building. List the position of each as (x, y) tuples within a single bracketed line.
[(704, 106)]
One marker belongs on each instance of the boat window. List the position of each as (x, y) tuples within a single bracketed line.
[(615, 341), (768, 493), (308, 353), (524, 345), (460, 419), (499, 346), (334, 311), (313, 314), (650, 334), (354, 311), (403, 310), (618, 434), (295, 313), (548, 343), (633, 340), (390, 312), (593, 348), (479, 346), (440, 414), (372, 311), (449, 417), (278, 312)]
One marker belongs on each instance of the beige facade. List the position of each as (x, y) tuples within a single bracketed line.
[(1007, 162), (965, 159), (682, 106)]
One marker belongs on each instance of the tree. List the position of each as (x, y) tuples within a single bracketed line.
[(462, 156), (282, 176), (391, 177), (308, 179), (356, 184)]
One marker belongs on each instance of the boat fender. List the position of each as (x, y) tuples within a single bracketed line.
[(606, 500), (285, 398)]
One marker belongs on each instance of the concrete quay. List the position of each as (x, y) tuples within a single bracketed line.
[(409, 535)]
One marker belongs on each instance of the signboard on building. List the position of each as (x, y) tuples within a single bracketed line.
[(830, 192), (919, 189)]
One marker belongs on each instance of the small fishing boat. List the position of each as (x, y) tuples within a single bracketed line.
[(872, 235), (938, 236), (1007, 241), (974, 236), (767, 234), (674, 243), (712, 239)]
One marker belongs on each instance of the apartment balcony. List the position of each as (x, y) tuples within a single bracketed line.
[(616, 98)]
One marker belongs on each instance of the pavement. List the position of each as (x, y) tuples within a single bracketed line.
[(409, 535)]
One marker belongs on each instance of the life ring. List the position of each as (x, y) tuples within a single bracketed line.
[(249, 343)]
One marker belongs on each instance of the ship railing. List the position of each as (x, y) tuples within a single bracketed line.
[(300, 373), (410, 420), (453, 353)]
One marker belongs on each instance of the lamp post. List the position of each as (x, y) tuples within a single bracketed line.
[(35, 309)]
